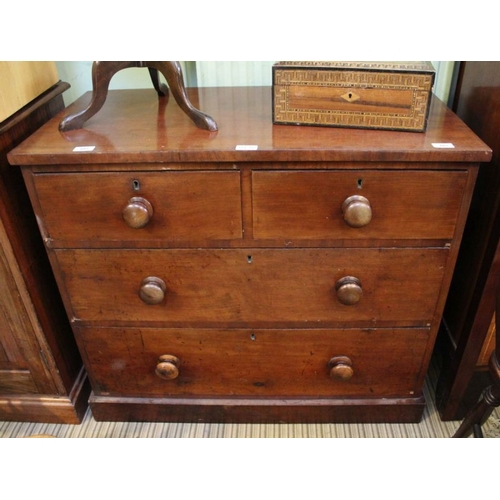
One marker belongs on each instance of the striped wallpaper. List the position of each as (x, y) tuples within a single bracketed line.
[(206, 74)]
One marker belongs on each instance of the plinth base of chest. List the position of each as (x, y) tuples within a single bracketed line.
[(257, 411)]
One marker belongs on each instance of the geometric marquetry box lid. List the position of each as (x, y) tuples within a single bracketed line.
[(372, 95)]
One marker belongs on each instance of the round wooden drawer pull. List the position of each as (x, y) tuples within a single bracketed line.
[(349, 291), (137, 213), (357, 211), (167, 367), (152, 291), (340, 368)]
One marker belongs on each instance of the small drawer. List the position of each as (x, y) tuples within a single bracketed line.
[(363, 287), (94, 209), (354, 205), (280, 363)]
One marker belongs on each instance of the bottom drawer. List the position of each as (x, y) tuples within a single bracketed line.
[(254, 363)]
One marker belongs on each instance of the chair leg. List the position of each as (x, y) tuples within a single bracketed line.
[(478, 432), (478, 415), (490, 400)]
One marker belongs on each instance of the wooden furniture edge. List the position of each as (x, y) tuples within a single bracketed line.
[(48, 408)]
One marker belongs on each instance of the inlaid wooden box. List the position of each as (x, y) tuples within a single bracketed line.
[(371, 95)]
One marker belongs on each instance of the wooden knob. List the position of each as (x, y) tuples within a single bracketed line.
[(137, 213), (152, 290), (357, 211), (167, 367), (349, 291), (341, 368)]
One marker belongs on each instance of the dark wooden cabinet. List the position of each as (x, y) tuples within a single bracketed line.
[(260, 273), (42, 378), (467, 335)]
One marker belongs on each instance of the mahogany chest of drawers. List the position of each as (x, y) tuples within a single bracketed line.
[(260, 273)]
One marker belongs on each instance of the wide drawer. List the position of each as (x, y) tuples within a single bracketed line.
[(282, 363), (298, 205), (82, 209), (255, 286)]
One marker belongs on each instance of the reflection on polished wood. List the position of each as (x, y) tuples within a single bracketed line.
[(244, 118)]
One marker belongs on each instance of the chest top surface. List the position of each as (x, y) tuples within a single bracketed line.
[(135, 126)]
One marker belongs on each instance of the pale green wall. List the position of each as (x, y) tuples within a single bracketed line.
[(206, 73), (444, 74)]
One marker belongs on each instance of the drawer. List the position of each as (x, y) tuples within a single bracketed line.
[(395, 204), (81, 209), (287, 286), (284, 363)]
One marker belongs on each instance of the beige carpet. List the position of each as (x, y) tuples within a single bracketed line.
[(430, 427)]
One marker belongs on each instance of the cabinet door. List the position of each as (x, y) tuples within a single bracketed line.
[(22, 368)]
